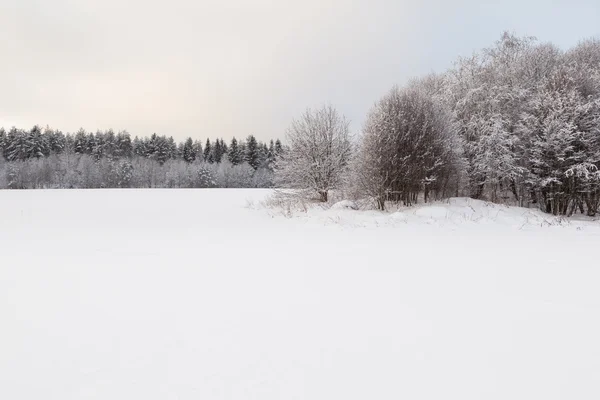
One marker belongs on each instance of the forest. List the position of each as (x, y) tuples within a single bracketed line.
[(48, 158)]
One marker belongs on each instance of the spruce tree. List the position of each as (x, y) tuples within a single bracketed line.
[(209, 155), (252, 155), (171, 147), (80, 142), (234, 155), (278, 148), (198, 150), (189, 155), (220, 150)]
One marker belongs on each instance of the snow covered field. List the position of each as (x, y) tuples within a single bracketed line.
[(204, 294)]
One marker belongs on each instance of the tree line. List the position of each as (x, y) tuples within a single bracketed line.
[(517, 123), (48, 158)]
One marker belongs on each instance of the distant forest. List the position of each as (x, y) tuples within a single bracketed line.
[(48, 158)]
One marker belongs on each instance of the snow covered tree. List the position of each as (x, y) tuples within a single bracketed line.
[(189, 155), (36, 145), (80, 142), (564, 128), (209, 155), (16, 147), (206, 178), (56, 141), (278, 148), (124, 147), (218, 150), (2, 141), (234, 155), (252, 155), (124, 174), (408, 147), (198, 150), (319, 153), (162, 150)]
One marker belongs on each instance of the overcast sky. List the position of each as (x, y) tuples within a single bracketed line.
[(219, 68)]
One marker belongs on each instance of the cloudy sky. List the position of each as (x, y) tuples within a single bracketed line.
[(210, 68)]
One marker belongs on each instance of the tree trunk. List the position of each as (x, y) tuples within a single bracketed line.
[(323, 196)]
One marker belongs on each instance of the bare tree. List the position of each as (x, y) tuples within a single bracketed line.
[(408, 147), (318, 155)]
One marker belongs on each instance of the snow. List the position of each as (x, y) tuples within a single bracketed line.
[(345, 204), (206, 294)]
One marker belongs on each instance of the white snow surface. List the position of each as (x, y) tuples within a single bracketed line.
[(206, 294)]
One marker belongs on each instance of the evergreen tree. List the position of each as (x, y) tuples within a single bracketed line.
[(90, 144), (224, 147), (36, 144), (198, 150), (278, 148), (124, 146), (252, 152), (209, 155), (270, 155), (234, 155), (16, 145), (171, 148), (263, 155), (69, 143), (160, 149), (80, 142), (137, 147), (189, 155), (55, 141), (109, 144), (219, 150), (98, 146)]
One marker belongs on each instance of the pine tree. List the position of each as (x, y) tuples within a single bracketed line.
[(55, 140), (16, 146), (35, 144)]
